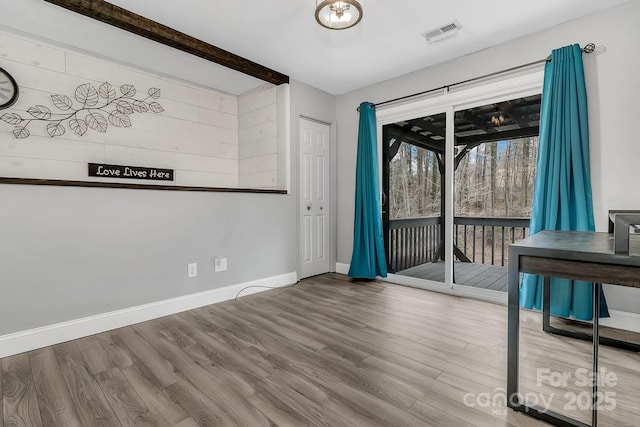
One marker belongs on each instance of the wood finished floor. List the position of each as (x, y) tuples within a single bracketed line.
[(327, 352)]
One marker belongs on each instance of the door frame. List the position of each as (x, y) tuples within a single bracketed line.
[(483, 92), (333, 182)]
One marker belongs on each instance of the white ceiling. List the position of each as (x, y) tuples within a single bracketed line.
[(283, 35)]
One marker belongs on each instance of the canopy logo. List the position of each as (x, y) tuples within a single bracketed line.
[(549, 380)]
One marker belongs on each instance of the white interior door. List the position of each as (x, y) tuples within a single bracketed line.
[(314, 209)]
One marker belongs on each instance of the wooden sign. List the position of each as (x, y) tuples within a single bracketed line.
[(129, 172)]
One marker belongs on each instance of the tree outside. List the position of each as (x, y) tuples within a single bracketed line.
[(493, 180)]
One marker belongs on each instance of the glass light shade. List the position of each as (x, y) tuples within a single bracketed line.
[(338, 15)]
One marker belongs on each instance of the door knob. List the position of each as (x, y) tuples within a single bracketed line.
[(308, 207)]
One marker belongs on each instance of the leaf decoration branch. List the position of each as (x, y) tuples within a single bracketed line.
[(93, 108)]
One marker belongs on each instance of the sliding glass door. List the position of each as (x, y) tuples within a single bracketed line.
[(413, 203), (494, 164), (457, 182)]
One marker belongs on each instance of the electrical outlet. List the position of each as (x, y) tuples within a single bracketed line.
[(192, 269), (220, 264)]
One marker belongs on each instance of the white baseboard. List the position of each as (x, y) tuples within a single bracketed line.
[(342, 268), (622, 320), (32, 339)]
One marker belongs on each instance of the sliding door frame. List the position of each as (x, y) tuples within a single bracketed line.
[(524, 83)]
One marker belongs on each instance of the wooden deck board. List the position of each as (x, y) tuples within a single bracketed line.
[(483, 276)]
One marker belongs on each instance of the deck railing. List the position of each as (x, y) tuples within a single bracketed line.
[(413, 241), (486, 240), (482, 240)]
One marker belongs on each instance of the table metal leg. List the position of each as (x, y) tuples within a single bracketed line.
[(546, 301), (596, 341), (513, 333)]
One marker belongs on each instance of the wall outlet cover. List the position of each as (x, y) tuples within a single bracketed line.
[(192, 269), (220, 264)]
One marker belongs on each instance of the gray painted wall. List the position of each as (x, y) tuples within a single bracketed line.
[(613, 88), (67, 253)]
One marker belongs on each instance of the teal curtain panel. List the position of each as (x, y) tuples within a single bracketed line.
[(562, 188), (368, 258)]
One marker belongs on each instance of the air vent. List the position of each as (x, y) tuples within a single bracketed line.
[(443, 32)]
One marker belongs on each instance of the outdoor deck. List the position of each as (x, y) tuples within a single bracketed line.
[(483, 276)]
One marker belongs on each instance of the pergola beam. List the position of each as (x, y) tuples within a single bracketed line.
[(406, 135), (477, 122), (499, 136), (463, 153), (394, 147), (415, 138), (426, 125), (508, 110)]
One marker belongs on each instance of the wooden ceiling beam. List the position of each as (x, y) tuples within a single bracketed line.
[(137, 24)]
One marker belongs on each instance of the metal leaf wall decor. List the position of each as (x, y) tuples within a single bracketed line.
[(90, 108)]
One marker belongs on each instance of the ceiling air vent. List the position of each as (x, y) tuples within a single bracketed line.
[(443, 32)]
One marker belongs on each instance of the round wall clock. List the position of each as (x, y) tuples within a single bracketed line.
[(8, 89)]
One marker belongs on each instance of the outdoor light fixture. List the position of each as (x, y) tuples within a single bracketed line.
[(497, 121), (338, 15)]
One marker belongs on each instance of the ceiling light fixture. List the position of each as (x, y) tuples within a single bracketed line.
[(338, 15)]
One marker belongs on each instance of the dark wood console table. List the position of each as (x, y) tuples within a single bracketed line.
[(570, 255)]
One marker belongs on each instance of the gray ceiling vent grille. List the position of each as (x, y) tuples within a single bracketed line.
[(443, 32)]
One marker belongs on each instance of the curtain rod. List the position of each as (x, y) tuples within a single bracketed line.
[(589, 48)]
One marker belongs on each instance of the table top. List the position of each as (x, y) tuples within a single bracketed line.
[(578, 246)]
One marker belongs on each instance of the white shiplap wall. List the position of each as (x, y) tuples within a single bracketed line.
[(258, 138), (197, 134)]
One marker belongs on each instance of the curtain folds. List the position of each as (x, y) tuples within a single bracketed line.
[(368, 258), (562, 189)]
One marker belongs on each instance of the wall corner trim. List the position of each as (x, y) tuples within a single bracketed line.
[(20, 342)]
